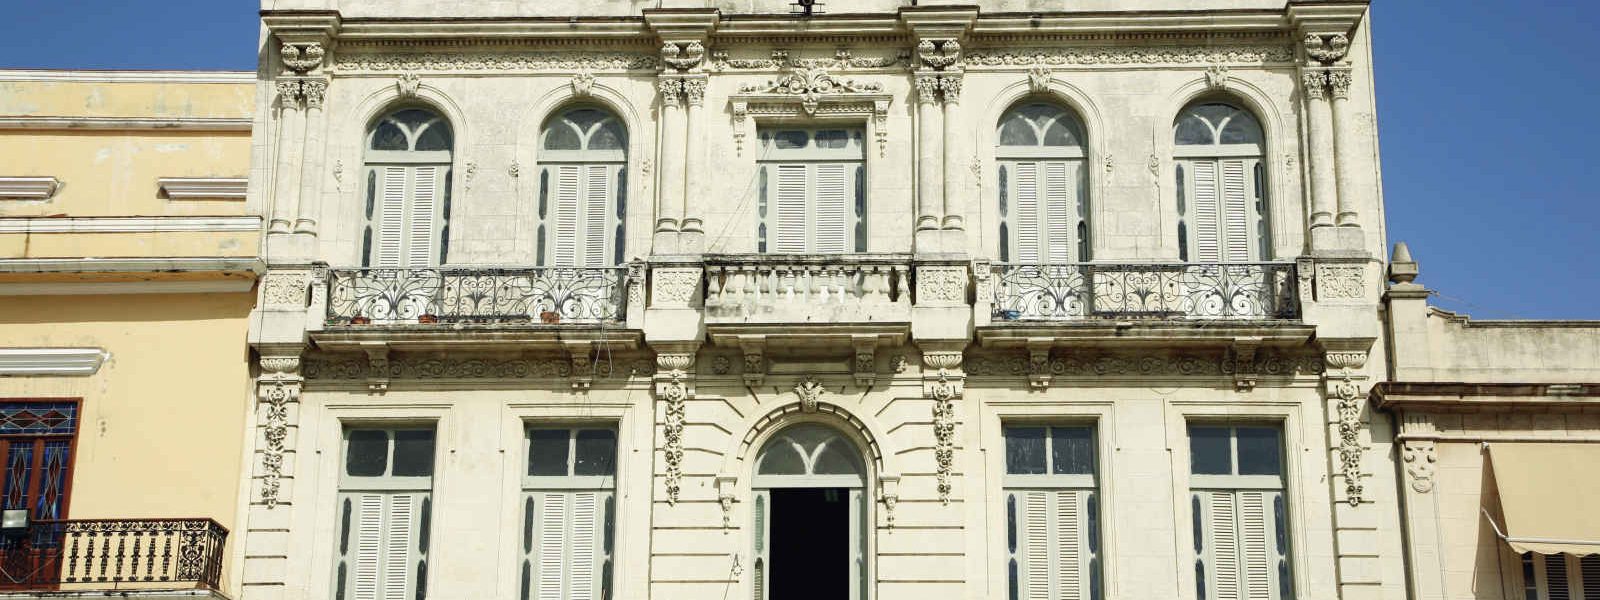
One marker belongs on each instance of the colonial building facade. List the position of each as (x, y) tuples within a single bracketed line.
[(128, 263), (876, 299)]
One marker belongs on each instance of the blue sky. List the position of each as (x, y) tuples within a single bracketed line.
[(1485, 112)]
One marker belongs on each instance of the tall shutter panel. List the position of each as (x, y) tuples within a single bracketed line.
[(568, 188), (1036, 543), (584, 512), (1254, 538), (397, 544), (424, 215), (552, 549), (760, 568), (1068, 545), (369, 545), (1028, 228), (1206, 233), (1223, 529), (1589, 567), (790, 209), (391, 219), (1235, 212), (1057, 197), (597, 193), (832, 193)]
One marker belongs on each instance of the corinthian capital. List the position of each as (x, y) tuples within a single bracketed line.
[(289, 94), (927, 88), (1339, 83), (951, 86), (1315, 82), (314, 91), (695, 91), (671, 92)]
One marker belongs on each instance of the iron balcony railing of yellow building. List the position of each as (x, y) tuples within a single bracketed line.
[(106, 554)]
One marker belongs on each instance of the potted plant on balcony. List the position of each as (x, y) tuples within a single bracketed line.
[(427, 319), (360, 320), (550, 317)]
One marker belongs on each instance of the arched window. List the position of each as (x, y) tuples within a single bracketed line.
[(1044, 208), (809, 516), (583, 182), (407, 164), (1222, 185)]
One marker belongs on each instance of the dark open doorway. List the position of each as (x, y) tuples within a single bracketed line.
[(811, 553)]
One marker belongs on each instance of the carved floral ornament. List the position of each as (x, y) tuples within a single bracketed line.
[(296, 93), (810, 86), (1238, 55), (1327, 48), (682, 56), (842, 59), (278, 387), (566, 61), (301, 58)]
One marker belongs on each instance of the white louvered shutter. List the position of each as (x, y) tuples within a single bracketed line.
[(569, 188), (1057, 193), (1206, 231), (1029, 229), (568, 555), (386, 545), (790, 210), (1240, 546), (1235, 212), (388, 248), (420, 238), (761, 567), (1054, 562), (597, 191), (832, 191)]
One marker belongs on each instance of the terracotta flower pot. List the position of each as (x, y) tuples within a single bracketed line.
[(428, 319), (360, 320)]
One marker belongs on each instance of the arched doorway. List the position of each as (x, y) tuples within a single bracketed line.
[(809, 517)]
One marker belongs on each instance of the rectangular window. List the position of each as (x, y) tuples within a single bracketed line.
[(385, 505), (816, 191), (1052, 513), (568, 514), (1560, 577), (1241, 536)]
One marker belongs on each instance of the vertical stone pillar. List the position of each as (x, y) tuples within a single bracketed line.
[(930, 189), (1345, 143), (1324, 189), (266, 539), (954, 205), (669, 195), (286, 174), (1356, 521), (313, 92), (944, 382), (692, 236)]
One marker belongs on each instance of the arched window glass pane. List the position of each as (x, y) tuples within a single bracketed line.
[(1242, 128), (809, 450), (389, 136), (1059, 134), (610, 137), (413, 118), (584, 119), (435, 136), (1040, 124), (561, 136), (1016, 131), (1193, 132)]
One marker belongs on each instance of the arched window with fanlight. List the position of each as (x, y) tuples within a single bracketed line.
[(1044, 208), (582, 189), (408, 171), (1222, 185)]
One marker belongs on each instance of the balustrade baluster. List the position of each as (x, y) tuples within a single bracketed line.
[(133, 557), (71, 571), (714, 285), (150, 560)]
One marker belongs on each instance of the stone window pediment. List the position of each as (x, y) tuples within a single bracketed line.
[(812, 93)]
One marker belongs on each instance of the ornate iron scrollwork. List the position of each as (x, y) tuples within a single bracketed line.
[(548, 295)]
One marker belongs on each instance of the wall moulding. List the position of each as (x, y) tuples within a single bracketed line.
[(843, 59), (330, 369), (1023, 58), (563, 62), (1267, 363)]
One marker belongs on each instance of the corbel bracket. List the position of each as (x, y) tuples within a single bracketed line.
[(377, 366)]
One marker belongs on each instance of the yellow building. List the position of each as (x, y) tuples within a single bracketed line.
[(128, 256)]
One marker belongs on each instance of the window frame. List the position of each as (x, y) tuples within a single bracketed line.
[(547, 162), (1014, 485), (1259, 197), (1538, 565), (569, 482), (854, 159), (1008, 158), (374, 164)]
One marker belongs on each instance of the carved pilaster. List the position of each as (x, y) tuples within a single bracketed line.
[(277, 390), (313, 92), (673, 388), (1343, 359), (950, 88), (944, 382)]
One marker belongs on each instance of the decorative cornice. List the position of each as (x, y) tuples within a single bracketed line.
[(128, 123), (843, 59), (476, 61), (1241, 55), (1265, 362), (28, 188), (421, 368), (24, 362), (127, 224), (131, 265), (203, 188)]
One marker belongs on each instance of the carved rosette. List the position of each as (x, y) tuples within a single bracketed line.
[(277, 388), (1420, 457), (672, 388)]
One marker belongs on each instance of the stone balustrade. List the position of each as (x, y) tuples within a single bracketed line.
[(808, 289)]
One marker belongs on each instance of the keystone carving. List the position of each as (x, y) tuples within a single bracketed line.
[(407, 84), (809, 389)]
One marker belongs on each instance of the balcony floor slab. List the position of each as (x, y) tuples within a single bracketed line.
[(1164, 334), (474, 337)]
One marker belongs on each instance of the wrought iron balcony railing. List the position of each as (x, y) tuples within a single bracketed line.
[(549, 295), (1243, 291), (114, 554)]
